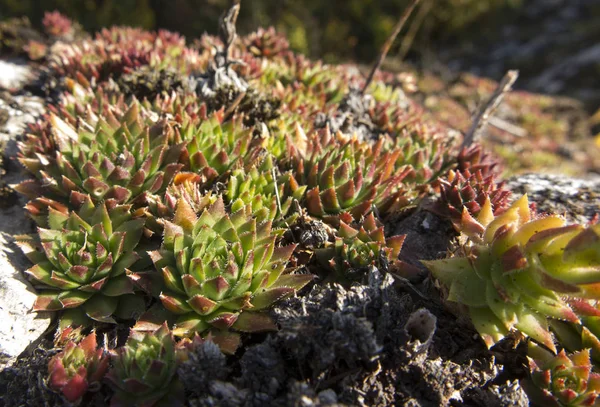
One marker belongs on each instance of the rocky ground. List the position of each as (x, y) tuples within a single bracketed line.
[(381, 342)]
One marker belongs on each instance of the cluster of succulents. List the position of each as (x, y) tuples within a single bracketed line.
[(203, 186), (18, 36)]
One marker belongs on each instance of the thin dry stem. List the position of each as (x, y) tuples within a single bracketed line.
[(413, 29), (227, 26), (485, 112), (236, 102), (388, 43)]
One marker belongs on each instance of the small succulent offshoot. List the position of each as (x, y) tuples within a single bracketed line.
[(223, 270), (79, 368), (186, 186), (144, 371), (561, 380), (356, 248), (83, 259), (519, 272)]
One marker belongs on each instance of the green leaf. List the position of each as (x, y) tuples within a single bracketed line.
[(101, 308), (133, 232), (254, 322), (117, 286)]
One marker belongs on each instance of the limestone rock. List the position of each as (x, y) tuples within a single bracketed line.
[(20, 327), (576, 198)]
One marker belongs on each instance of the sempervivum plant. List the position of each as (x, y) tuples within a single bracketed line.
[(78, 368), (466, 190), (561, 380), (357, 247), (116, 159), (83, 261), (222, 270), (266, 43), (345, 175), (214, 147), (518, 272), (144, 371), (261, 187)]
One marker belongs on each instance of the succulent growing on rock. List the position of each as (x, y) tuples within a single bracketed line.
[(83, 261), (144, 371), (117, 159), (561, 380), (78, 368), (520, 271), (236, 149), (222, 270)]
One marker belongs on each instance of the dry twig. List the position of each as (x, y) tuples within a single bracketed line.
[(413, 29), (388, 43), (483, 116)]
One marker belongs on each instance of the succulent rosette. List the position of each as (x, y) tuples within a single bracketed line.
[(83, 259), (470, 190), (563, 380), (215, 147), (358, 247), (261, 187), (222, 270), (78, 368), (346, 175), (118, 159), (266, 43), (519, 272), (144, 371)]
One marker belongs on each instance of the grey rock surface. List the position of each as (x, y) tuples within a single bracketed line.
[(576, 198), (14, 74), (20, 327)]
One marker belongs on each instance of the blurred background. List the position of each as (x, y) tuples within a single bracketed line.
[(334, 30), (554, 43)]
